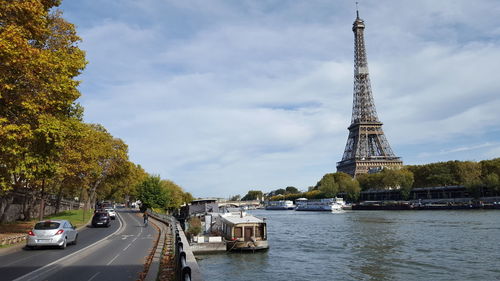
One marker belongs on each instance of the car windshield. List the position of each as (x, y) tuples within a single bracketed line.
[(47, 225), (101, 215)]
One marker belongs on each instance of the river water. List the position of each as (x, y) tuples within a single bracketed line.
[(368, 245)]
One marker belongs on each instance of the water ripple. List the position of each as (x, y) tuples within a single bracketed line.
[(410, 245)]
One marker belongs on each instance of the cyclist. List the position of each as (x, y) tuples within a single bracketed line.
[(146, 218)]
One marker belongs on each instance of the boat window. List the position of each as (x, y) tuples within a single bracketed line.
[(238, 232), (259, 231)]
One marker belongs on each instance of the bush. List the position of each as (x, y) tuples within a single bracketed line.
[(194, 226)]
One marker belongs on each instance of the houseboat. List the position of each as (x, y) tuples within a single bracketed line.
[(243, 231), (326, 204), (280, 205)]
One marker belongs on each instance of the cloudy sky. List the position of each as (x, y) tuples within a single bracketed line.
[(224, 96)]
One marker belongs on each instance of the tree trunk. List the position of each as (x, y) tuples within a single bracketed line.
[(42, 201), (92, 194), (59, 198), (5, 202), (29, 199)]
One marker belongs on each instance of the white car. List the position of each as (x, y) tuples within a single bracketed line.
[(52, 233), (111, 212)]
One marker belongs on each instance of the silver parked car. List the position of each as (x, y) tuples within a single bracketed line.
[(52, 233)]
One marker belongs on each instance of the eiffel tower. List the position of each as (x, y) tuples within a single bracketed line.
[(367, 149)]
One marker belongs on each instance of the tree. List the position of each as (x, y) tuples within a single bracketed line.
[(157, 193), (492, 181), (194, 226), (152, 193), (328, 186), (406, 180), (291, 190), (188, 197), (176, 195), (39, 60), (348, 185), (370, 181), (235, 198), (252, 195)]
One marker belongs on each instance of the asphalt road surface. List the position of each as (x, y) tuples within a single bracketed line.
[(114, 253)]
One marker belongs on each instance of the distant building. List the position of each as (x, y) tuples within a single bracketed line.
[(200, 206)]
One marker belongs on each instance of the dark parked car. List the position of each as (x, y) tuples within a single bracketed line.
[(101, 219)]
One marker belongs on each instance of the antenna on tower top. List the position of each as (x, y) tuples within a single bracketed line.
[(357, 12)]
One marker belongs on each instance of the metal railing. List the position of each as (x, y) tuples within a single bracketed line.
[(183, 270)]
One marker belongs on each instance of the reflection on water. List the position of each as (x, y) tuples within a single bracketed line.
[(368, 245)]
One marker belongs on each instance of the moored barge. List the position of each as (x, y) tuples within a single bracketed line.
[(244, 232)]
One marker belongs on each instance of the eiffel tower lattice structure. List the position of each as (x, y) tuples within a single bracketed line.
[(367, 149)]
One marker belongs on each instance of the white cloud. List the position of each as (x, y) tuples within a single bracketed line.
[(225, 96)]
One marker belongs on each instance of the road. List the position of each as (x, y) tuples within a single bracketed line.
[(114, 253)]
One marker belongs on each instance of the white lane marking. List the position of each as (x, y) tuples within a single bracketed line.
[(94, 276), (138, 234), (125, 236), (128, 246), (113, 259), (42, 269)]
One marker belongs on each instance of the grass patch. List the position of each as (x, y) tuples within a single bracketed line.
[(76, 217), (159, 210), (22, 227)]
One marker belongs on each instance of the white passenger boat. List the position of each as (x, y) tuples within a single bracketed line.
[(326, 204), (280, 205)]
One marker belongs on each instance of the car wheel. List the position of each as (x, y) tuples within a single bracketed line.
[(29, 247), (63, 246)]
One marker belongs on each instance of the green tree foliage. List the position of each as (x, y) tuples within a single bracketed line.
[(446, 173), (348, 185), (157, 193), (235, 198), (253, 195), (188, 197), (328, 186), (194, 226), (291, 190), (492, 181), (370, 181), (401, 179), (490, 173), (152, 193), (332, 184)]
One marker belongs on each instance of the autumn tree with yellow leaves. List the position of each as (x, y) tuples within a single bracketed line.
[(45, 147)]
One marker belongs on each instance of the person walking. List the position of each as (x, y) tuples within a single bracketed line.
[(146, 218)]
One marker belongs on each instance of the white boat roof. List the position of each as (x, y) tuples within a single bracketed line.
[(239, 219)]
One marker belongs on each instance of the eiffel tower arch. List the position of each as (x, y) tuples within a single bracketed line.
[(367, 148)]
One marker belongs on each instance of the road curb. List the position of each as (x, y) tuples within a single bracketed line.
[(154, 267)]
